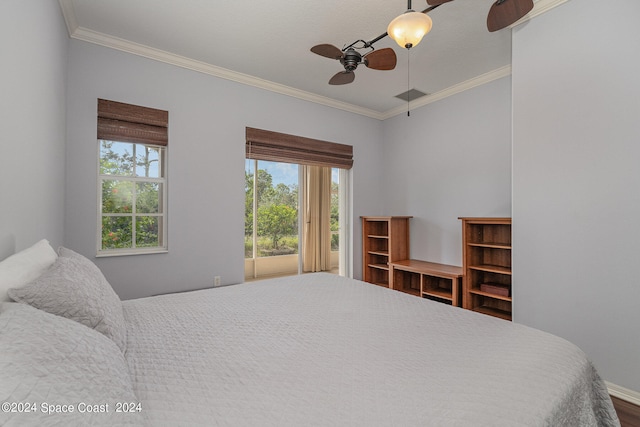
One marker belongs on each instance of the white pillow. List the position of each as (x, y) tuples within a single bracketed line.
[(75, 288), (47, 359), (25, 267)]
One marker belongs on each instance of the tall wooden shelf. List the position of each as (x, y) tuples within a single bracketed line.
[(385, 239), (486, 259)]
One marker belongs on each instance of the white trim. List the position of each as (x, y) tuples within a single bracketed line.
[(346, 256), (539, 7), (301, 211), (84, 34), (69, 16), (623, 393), (123, 45), (460, 87), (126, 252)]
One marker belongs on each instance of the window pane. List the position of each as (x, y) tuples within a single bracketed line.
[(132, 211), (116, 232), (248, 208), (148, 197), (148, 161), (147, 231), (277, 208), (117, 196), (116, 158)]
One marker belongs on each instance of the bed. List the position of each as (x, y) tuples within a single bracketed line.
[(310, 350)]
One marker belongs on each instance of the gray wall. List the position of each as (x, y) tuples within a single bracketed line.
[(207, 120), (449, 159), (34, 44), (576, 180), (575, 174)]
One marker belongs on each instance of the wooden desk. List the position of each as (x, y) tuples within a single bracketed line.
[(427, 279)]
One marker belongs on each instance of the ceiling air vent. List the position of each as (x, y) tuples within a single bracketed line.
[(411, 95)]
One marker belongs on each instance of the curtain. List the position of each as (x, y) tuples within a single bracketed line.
[(316, 187)]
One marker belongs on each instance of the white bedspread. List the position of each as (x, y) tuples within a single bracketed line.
[(322, 350)]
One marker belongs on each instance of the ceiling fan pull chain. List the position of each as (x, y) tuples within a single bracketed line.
[(408, 79)]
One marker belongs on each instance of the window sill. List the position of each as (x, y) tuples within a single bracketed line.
[(128, 252)]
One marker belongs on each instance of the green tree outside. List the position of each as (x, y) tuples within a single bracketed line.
[(277, 223), (117, 160)]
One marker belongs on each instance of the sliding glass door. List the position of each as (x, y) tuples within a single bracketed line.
[(281, 216)]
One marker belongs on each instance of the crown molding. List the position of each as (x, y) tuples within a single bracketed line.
[(539, 7), (460, 87), (542, 6), (84, 34), (123, 45), (69, 16)]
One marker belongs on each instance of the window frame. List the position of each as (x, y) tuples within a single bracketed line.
[(133, 178), (344, 214)]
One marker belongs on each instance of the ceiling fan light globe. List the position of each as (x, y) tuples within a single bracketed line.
[(409, 28)]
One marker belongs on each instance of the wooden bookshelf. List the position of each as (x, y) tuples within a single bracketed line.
[(486, 259), (431, 280), (385, 239)]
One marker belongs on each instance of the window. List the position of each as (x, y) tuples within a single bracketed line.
[(132, 202), (296, 210), (275, 234), (274, 230)]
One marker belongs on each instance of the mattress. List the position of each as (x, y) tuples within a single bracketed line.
[(320, 350)]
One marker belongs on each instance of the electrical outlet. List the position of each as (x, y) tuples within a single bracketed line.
[(216, 281)]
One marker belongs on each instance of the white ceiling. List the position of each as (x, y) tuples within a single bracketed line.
[(266, 44)]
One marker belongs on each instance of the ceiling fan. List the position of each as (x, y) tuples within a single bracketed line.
[(350, 58), (502, 14)]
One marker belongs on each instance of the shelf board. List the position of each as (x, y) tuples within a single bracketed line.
[(486, 220), (489, 294), (492, 245), (493, 312), (439, 294), (383, 283), (379, 266), (377, 236), (381, 253), (410, 291), (429, 268), (491, 268)]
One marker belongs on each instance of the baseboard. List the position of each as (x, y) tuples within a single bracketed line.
[(625, 394)]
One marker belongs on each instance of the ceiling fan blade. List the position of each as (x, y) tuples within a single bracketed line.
[(383, 59), (327, 50), (437, 2), (342, 78), (505, 12)]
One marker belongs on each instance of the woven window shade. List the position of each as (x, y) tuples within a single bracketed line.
[(131, 123), (281, 147)]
